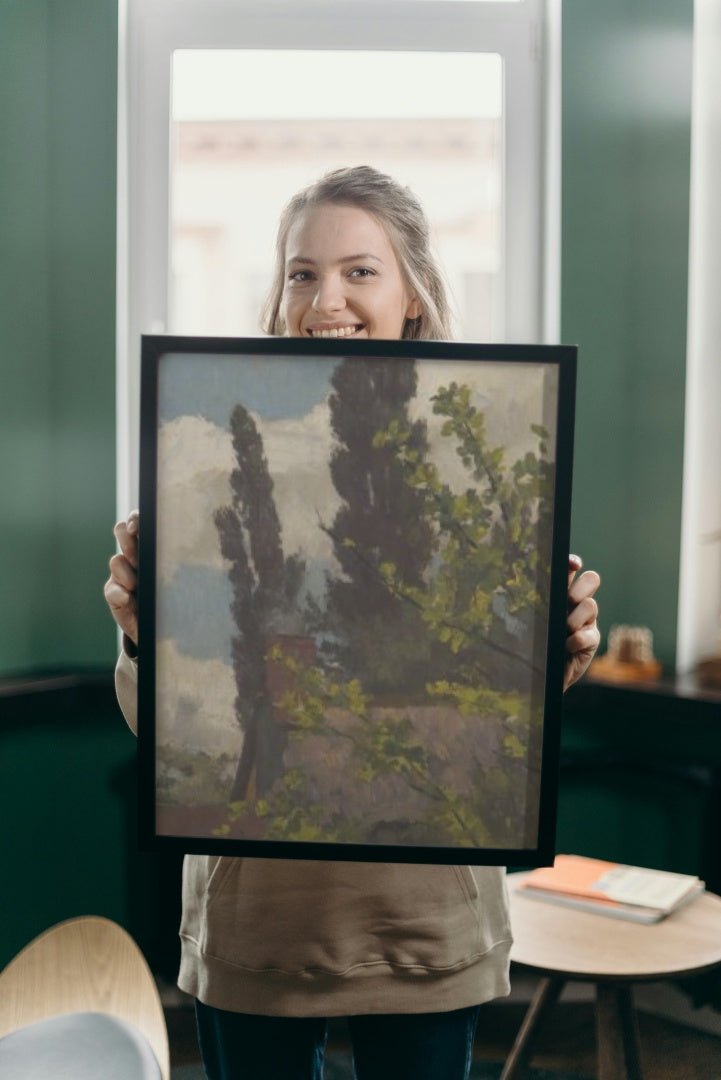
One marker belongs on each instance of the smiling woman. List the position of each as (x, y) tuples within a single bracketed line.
[(336, 293), (353, 259)]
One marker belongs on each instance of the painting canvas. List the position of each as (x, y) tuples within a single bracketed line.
[(352, 596)]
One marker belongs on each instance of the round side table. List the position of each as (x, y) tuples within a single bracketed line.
[(563, 944)]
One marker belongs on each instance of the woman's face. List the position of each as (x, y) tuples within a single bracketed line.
[(342, 277)]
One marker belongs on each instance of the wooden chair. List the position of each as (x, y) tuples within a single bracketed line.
[(86, 972)]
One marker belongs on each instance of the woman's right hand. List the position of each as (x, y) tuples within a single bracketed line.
[(121, 587)]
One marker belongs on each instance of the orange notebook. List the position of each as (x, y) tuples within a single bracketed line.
[(631, 892)]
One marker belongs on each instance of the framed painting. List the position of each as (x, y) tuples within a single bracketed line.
[(352, 597)]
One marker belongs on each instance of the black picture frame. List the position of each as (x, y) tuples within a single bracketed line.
[(353, 573)]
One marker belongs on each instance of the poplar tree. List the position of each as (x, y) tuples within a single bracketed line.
[(382, 640), (264, 584)]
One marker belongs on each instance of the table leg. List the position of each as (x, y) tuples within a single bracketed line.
[(617, 1033), (545, 997)]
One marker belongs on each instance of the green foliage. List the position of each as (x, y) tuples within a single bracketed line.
[(187, 777), (474, 595), (491, 571), (384, 742), (284, 815)]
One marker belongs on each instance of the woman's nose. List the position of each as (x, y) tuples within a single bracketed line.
[(329, 295)]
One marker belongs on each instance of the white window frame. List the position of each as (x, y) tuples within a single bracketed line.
[(699, 597), (526, 34)]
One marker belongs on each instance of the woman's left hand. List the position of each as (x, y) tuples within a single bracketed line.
[(583, 635)]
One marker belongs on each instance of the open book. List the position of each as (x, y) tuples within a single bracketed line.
[(608, 888)]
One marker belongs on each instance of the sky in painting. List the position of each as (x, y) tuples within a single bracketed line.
[(274, 387)]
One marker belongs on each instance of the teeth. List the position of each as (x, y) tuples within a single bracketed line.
[(336, 332)]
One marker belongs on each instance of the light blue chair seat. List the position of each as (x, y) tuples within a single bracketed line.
[(78, 1046)]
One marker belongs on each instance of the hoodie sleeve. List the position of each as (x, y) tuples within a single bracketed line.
[(126, 688)]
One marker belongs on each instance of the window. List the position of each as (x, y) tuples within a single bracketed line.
[(236, 160), (227, 107)]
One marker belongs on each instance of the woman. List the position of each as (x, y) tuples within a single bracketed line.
[(271, 948)]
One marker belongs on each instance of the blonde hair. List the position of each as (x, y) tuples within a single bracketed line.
[(403, 217)]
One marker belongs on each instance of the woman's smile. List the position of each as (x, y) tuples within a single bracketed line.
[(334, 331)]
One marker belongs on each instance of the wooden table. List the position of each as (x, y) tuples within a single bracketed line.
[(563, 944)]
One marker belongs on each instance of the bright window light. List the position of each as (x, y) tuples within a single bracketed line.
[(251, 127)]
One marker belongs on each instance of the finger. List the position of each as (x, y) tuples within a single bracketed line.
[(123, 608), (126, 534), (123, 572), (583, 641), (585, 585), (584, 613), (575, 562), (119, 599)]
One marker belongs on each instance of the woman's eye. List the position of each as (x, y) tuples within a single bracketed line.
[(362, 272), (300, 276)]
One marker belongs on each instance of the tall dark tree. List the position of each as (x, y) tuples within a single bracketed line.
[(380, 520), (264, 585)]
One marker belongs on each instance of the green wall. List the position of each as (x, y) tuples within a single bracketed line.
[(625, 200), (67, 761), (68, 802), (67, 784), (58, 72)]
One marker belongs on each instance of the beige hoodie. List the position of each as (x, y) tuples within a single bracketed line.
[(285, 937)]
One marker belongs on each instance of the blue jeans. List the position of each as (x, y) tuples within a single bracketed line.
[(416, 1046)]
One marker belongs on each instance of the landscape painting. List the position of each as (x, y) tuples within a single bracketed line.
[(352, 597)]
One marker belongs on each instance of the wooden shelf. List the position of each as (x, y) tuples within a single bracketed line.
[(679, 697)]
